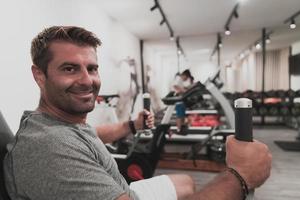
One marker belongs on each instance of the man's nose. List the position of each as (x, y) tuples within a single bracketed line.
[(85, 78)]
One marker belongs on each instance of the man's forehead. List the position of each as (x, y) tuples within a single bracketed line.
[(67, 44), (68, 52)]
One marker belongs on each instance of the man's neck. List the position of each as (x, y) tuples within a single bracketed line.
[(60, 114)]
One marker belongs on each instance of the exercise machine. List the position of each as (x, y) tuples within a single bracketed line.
[(140, 159), (211, 137)]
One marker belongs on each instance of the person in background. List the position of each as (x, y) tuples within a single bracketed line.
[(182, 83)]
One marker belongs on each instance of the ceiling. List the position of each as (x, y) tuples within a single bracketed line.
[(197, 23)]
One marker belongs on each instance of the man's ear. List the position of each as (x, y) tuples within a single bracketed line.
[(39, 76)]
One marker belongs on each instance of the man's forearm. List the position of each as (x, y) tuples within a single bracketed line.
[(111, 132), (223, 187)]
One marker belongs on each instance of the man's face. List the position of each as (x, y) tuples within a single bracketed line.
[(72, 83)]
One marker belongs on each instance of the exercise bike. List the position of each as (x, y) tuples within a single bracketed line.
[(137, 160)]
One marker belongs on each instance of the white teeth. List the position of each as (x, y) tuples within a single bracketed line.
[(82, 92)]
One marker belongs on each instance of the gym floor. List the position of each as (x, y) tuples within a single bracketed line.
[(284, 182)]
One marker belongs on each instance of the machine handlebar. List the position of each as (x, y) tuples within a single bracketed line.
[(243, 125)]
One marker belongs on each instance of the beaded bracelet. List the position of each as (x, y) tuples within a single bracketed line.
[(241, 180), (132, 127)]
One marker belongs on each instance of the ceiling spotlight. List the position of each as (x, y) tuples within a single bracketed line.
[(220, 45), (172, 38), (227, 31), (292, 24), (268, 40), (242, 55), (257, 46), (179, 52)]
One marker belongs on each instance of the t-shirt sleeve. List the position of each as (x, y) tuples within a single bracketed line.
[(66, 168)]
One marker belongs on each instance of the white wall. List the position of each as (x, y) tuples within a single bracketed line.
[(22, 20), (295, 79)]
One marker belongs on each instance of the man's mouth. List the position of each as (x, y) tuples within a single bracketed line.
[(83, 93)]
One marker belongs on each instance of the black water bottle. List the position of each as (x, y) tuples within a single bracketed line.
[(146, 101)]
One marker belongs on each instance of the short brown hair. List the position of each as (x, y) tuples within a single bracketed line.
[(40, 53)]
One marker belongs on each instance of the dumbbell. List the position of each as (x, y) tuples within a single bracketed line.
[(273, 110), (248, 94), (290, 93), (243, 125), (262, 110), (295, 110), (297, 93), (281, 93), (237, 95), (257, 95), (284, 110), (255, 111), (271, 93)]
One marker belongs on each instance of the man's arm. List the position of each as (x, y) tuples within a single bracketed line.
[(112, 132), (252, 160), (223, 187)]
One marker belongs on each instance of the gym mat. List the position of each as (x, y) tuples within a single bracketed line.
[(289, 145)]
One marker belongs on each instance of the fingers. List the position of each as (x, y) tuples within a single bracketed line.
[(150, 118)]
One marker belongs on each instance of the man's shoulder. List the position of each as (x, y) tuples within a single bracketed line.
[(36, 131), (41, 125)]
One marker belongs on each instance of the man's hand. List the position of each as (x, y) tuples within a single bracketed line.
[(139, 121), (251, 159)]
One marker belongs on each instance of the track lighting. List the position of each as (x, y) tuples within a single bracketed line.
[(242, 55), (172, 38), (179, 48), (165, 21), (291, 20), (258, 46), (219, 40), (220, 45), (292, 24), (217, 48), (234, 13), (154, 7), (227, 31), (268, 40)]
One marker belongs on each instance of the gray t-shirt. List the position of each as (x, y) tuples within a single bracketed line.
[(51, 159)]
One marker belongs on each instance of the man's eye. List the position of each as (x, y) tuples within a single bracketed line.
[(93, 69), (69, 69)]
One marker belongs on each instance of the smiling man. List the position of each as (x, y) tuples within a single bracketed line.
[(57, 155), (71, 85)]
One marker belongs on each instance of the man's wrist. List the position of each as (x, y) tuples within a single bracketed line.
[(241, 181)]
